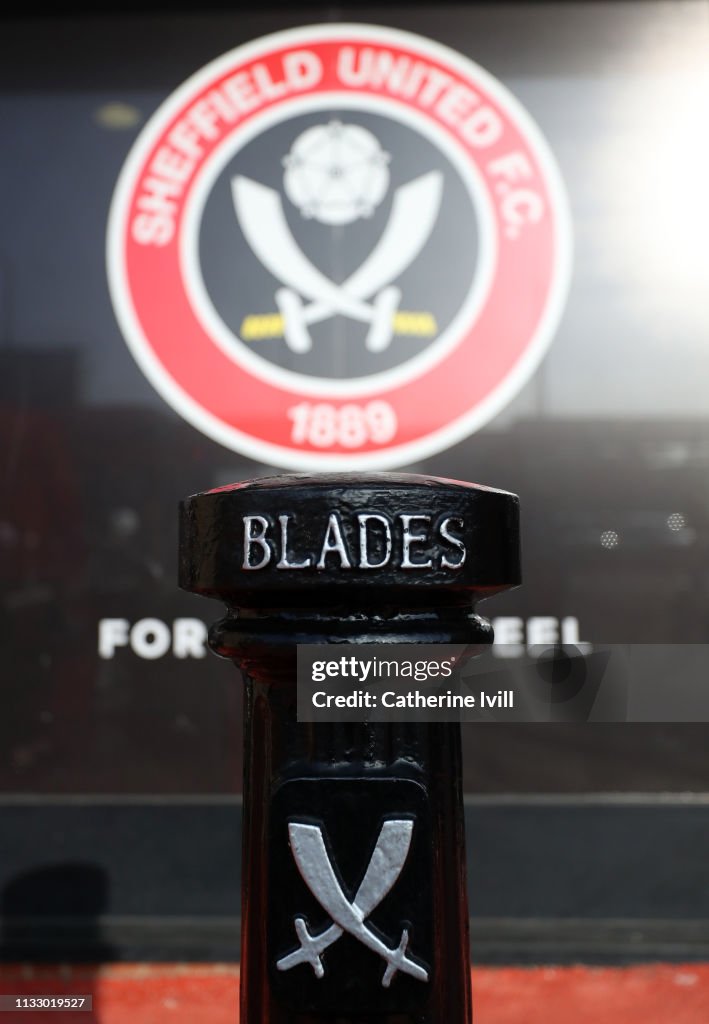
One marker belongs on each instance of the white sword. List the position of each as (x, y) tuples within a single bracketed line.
[(413, 214), (296, 316), (386, 862), (260, 214), (266, 230), (311, 856)]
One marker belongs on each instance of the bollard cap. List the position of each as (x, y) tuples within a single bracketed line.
[(303, 538)]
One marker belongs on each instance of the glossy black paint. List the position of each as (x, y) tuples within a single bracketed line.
[(347, 779)]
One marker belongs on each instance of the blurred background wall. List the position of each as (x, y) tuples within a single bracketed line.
[(120, 745)]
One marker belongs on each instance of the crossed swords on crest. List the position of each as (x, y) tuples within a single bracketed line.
[(385, 865), (260, 213)]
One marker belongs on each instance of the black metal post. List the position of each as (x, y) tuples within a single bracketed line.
[(369, 815)]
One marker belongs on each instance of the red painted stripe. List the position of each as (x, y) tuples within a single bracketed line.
[(208, 994), (653, 994)]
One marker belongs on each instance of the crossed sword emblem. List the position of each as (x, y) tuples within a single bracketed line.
[(413, 216), (385, 865)]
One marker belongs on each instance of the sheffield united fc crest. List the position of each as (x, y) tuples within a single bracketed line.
[(339, 246)]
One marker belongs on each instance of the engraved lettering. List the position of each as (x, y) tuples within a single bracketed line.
[(334, 542), (455, 541), (410, 538), (256, 539), (283, 562), (379, 539), (363, 519)]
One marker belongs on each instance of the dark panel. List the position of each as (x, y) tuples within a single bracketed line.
[(550, 880)]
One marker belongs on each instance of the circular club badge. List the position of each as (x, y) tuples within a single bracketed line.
[(339, 246)]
